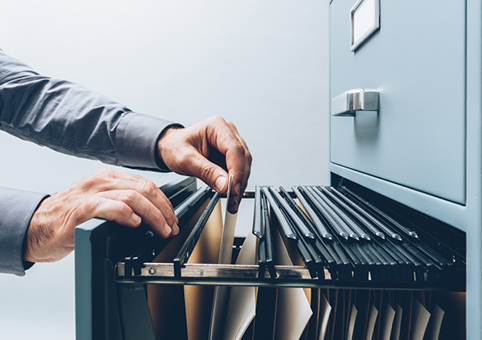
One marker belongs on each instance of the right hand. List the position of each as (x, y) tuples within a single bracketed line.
[(109, 194), (209, 150)]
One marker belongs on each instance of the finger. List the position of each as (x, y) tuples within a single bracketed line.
[(223, 138), (248, 158), (115, 180), (236, 167), (236, 132), (142, 207), (111, 210), (154, 194), (210, 173), (238, 162)]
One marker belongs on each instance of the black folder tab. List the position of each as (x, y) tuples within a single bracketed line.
[(188, 246), (352, 229), (189, 206), (378, 213), (365, 217), (319, 226), (257, 224), (295, 220), (287, 231), (268, 239), (324, 214)]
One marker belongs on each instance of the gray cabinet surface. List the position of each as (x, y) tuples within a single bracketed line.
[(417, 61)]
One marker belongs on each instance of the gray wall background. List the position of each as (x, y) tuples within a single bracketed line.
[(261, 64)]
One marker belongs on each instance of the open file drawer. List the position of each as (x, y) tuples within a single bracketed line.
[(112, 301)]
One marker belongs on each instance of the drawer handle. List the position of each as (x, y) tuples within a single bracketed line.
[(349, 102)]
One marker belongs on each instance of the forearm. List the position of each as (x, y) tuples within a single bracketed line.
[(16, 210), (68, 118)]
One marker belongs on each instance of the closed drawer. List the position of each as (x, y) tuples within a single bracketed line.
[(417, 61)]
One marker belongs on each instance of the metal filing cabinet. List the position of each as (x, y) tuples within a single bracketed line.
[(408, 126), (419, 140), (417, 62)]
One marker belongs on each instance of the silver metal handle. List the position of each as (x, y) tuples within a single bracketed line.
[(349, 102)]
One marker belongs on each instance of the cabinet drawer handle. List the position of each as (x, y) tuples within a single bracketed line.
[(349, 102)]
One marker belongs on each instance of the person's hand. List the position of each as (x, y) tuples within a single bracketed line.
[(108, 194), (206, 150)]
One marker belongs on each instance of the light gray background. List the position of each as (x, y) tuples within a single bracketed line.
[(261, 64)]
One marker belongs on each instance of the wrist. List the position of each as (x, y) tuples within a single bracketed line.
[(160, 142), (38, 242)]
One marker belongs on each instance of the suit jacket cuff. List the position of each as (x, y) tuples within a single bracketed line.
[(16, 210), (136, 141)]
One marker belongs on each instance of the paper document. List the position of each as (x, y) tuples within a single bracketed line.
[(293, 310), (221, 293), (372, 319), (166, 302), (397, 323), (242, 300), (420, 318), (435, 323), (199, 299), (351, 322), (386, 321)]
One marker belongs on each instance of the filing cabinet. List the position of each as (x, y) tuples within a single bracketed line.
[(406, 124), (416, 60), (421, 144)]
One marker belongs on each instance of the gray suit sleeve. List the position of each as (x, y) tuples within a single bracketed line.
[(71, 119), (16, 210), (68, 118)]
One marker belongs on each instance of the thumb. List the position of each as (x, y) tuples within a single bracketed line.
[(210, 173)]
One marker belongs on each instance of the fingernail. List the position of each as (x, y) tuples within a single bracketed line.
[(136, 219), (167, 229), (219, 184), (175, 229)]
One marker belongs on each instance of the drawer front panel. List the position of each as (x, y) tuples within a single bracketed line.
[(417, 61)]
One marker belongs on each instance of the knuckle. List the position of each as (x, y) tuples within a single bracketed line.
[(231, 126), (206, 171), (123, 209), (106, 172), (153, 216), (148, 188), (239, 149), (249, 156), (91, 204), (98, 178), (129, 195), (169, 214), (217, 119), (89, 181), (158, 216), (86, 208)]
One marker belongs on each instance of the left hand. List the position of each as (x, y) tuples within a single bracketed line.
[(206, 150), (109, 194)]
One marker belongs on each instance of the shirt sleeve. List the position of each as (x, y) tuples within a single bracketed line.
[(68, 118), (16, 210)]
